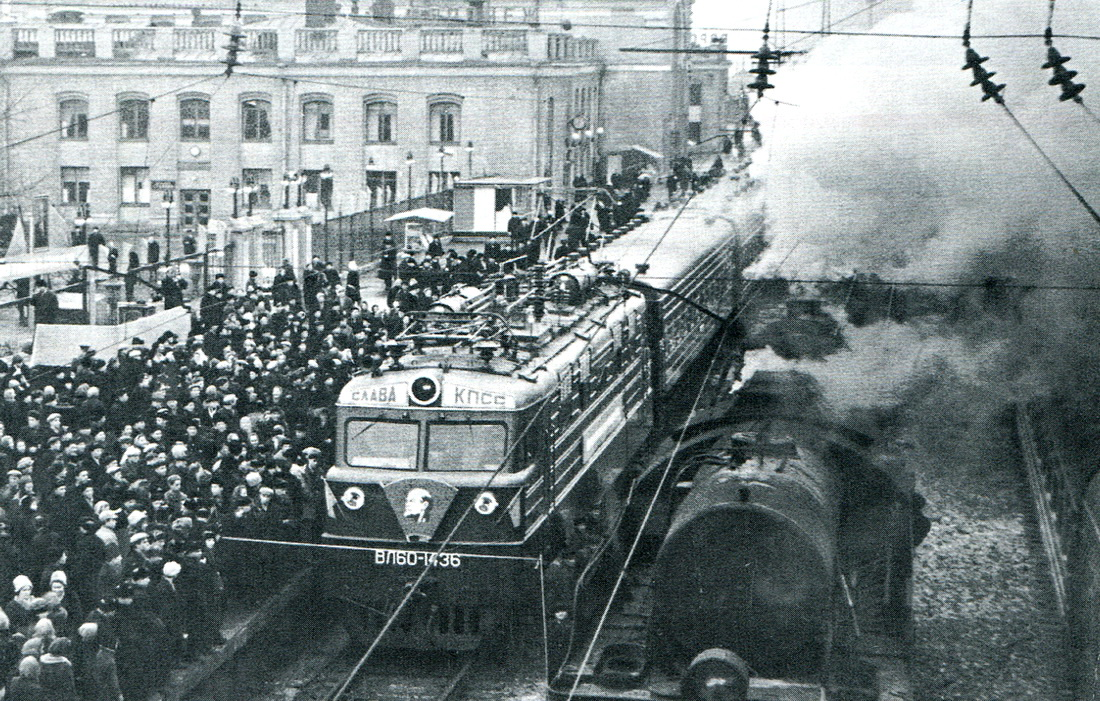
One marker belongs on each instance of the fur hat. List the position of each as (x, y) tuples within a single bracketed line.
[(172, 568), (22, 582)]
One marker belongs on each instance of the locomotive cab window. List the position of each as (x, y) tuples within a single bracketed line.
[(466, 446), (382, 443)]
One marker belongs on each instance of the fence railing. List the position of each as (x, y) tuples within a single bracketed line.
[(316, 41), (133, 43), (374, 42), (193, 40), (441, 41), (74, 43), (358, 236)]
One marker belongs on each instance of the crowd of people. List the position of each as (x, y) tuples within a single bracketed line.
[(125, 475)]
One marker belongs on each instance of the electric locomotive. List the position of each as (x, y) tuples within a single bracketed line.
[(505, 415)]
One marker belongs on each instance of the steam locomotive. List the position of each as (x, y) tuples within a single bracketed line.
[(501, 428), (784, 572)]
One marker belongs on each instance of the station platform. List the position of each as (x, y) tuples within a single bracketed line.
[(241, 625)]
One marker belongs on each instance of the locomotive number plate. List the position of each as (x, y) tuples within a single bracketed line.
[(413, 558)]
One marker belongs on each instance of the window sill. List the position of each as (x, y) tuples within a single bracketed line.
[(194, 140), (318, 141), (256, 141), (133, 204), (391, 142), (133, 140)]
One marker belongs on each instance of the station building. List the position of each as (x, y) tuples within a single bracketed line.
[(127, 121)]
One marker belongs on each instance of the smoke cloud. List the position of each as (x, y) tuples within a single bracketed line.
[(887, 162)]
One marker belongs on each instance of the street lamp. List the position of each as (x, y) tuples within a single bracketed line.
[(325, 195), (443, 153), (409, 160), (469, 159), (235, 188), (249, 191), (83, 213), (166, 201), (288, 180)]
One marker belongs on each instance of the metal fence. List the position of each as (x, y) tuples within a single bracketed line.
[(358, 236)]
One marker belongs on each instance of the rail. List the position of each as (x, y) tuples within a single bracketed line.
[(385, 685), (1044, 514)]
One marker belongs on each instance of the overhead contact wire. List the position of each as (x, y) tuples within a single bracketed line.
[(1053, 166)]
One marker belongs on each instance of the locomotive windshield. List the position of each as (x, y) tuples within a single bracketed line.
[(466, 446), (382, 443)]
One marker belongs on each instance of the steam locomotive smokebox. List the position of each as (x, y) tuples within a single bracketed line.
[(748, 564)]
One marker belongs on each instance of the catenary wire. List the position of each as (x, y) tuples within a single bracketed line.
[(259, 10), (173, 91)]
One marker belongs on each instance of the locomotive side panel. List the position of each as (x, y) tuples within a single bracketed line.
[(685, 330)]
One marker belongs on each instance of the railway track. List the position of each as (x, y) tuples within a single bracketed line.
[(396, 676), (1046, 516)]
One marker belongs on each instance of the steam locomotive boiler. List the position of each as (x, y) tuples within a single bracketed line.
[(784, 572), (755, 540)]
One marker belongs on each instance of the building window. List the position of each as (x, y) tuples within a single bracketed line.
[(317, 120), (382, 186), (444, 120), (695, 131), (272, 248), (74, 118), (256, 120), (194, 207), (381, 121), (195, 119), (259, 179), (133, 120), (442, 180), (135, 185), (695, 94), (74, 185)]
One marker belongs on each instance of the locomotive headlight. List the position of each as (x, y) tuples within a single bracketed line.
[(424, 391), (486, 503), (354, 498)]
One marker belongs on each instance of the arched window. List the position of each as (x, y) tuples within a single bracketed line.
[(74, 118), (317, 119), (444, 119), (255, 120), (381, 121), (133, 119), (195, 119)]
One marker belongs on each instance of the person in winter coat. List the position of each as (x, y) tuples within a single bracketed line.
[(56, 671), (171, 289), (25, 686), (351, 284), (103, 675)]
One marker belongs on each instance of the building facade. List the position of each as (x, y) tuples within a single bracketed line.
[(129, 123)]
